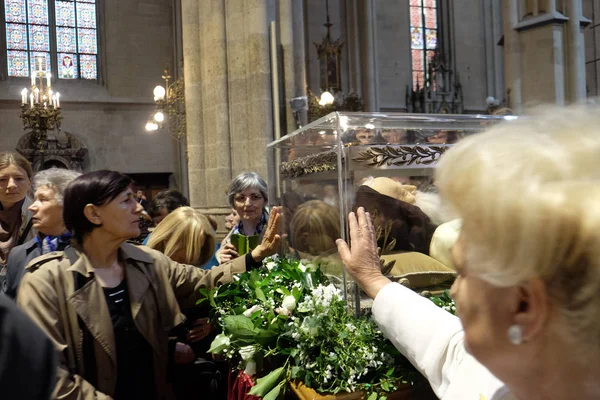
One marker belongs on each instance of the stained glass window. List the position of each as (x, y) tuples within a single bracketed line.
[(423, 38), (30, 32), (77, 39)]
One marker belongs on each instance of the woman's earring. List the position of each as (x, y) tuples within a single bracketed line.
[(515, 334)]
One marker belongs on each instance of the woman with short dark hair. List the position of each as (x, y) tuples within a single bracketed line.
[(247, 195), (108, 305)]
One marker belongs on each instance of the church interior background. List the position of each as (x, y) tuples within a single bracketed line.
[(239, 71)]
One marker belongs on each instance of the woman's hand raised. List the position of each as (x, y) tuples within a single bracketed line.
[(271, 239), (362, 260)]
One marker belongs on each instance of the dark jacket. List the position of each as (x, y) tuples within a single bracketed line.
[(27, 357), (17, 261)]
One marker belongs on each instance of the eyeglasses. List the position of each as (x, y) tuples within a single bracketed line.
[(241, 199)]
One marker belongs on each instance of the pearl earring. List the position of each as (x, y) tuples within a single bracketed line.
[(515, 334)]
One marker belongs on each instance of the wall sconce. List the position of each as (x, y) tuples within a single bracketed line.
[(170, 104)]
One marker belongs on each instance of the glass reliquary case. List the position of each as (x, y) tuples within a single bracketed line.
[(383, 162)]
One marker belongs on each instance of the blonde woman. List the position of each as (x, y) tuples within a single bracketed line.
[(528, 263), (185, 236), (314, 228)]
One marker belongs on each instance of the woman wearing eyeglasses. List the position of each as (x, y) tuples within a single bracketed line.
[(247, 194)]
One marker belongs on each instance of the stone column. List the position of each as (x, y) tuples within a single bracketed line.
[(249, 72), (353, 47), (286, 36), (576, 51), (190, 21), (367, 51), (228, 95), (512, 55), (299, 54), (215, 102), (544, 53)]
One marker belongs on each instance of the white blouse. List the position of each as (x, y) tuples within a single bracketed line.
[(433, 341)]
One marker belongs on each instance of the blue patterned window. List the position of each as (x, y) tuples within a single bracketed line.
[(68, 42)]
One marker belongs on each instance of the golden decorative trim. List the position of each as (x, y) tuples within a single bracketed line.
[(320, 162), (377, 157)]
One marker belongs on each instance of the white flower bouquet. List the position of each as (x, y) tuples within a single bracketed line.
[(290, 313)]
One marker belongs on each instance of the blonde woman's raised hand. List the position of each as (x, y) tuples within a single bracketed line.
[(271, 239), (362, 259)]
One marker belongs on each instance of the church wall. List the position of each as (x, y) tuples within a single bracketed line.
[(392, 46), (591, 10), (543, 44), (469, 47), (109, 118), (392, 37)]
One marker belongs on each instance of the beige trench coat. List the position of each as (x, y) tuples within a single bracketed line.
[(156, 285)]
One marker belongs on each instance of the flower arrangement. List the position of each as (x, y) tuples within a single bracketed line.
[(445, 301), (290, 313)]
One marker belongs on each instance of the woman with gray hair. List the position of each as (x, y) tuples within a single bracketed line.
[(247, 194), (47, 216)]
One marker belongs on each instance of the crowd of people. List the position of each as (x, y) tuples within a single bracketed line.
[(95, 316)]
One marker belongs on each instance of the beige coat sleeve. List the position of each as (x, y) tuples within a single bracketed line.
[(39, 299), (186, 280)]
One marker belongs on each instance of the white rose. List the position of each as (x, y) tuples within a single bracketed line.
[(247, 352), (250, 369), (248, 313), (270, 265), (289, 302), (282, 311)]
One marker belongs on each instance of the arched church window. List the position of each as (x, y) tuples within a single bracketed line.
[(64, 32), (423, 37)]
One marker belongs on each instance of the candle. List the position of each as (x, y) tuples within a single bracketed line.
[(57, 100), (37, 95), (31, 99), (48, 76), (32, 78), (24, 96)]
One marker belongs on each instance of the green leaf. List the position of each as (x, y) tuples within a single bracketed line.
[(296, 293), (283, 290), (274, 394), (206, 294), (372, 396), (266, 383), (220, 343), (239, 326), (260, 295), (265, 337), (295, 371)]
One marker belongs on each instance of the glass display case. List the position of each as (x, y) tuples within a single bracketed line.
[(381, 161)]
